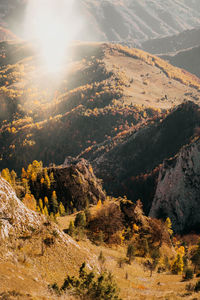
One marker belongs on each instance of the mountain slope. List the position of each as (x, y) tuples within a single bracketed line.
[(123, 21), (104, 89), (182, 41), (186, 59), (32, 246), (138, 151), (177, 192)]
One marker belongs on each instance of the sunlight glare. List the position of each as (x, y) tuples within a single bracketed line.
[(53, 24)]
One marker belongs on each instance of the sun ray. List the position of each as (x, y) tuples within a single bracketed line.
[(53, 26)]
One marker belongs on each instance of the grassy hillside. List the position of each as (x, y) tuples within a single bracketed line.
[(37, 256)]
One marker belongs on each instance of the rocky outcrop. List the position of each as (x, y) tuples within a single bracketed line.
[(31, 246), (178, 191), (14, 216), (76, 183)]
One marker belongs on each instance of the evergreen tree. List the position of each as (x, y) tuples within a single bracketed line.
[(130, 252), (196, 258), (61, 209), (40, 204), (71, 229), (86, 286), (80, 220), (177, 267), (168, 225), (146, 247), (52, 180), (23, 174), (47, 182), (13, 176), (46, 213), (87, 215), (54, 203), (46, 201), (25, 184), (101, 260)]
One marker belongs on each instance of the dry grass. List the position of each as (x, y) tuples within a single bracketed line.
[(139, 285), (27, 271)]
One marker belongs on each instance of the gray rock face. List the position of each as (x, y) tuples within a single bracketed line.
[(14, 215), (178, 190), (75, 182)]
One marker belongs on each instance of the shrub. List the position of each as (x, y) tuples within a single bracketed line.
[(190, 287), (130, 252), (177, 266), (188, 274), (48, 241), (107, 220), (197, 287), (54, 287), (88, 287), (80, 220)]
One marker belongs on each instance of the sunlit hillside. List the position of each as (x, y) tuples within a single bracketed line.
[(100, 91)]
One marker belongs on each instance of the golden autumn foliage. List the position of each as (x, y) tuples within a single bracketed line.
[(99, 204), (30, 202)]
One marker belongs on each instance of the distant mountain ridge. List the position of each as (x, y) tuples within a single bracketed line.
[(125, 21), (172, 44), (187, 59), (135, 21)]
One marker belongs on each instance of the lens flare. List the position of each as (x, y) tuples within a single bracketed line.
[(53, 25)]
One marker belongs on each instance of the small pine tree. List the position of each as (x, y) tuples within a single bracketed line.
[(99, 204), (38, 209), (196, 258), (80, 220), (146, 247), (25, 184), (23, 174), (87, 215), (177, 266), (46, 201), (52, 217), (130, 252), (166, 262), (61, 209), (71, 229), (40, 204), (57, 215), (188, 274), (13, 176), (168, 225), (46, 213), (47, 182), (101, 260), (100, 237), (86, 286), (51, 177), (54, 203)]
